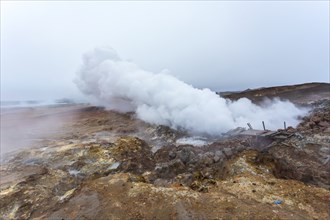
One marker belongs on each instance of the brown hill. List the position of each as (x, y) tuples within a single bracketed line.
[(299, 94)]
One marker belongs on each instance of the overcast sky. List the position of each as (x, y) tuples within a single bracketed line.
[(220, 45)]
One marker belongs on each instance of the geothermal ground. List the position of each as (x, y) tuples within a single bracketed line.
[(83, 162)]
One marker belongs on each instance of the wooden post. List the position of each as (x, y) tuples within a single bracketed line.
[(249, 126), (284, 126), (263, 124)]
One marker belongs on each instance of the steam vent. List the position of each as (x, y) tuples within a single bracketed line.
[(102, 164), (165, 110)]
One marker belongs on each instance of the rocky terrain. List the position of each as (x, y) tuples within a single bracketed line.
[(107, 165)]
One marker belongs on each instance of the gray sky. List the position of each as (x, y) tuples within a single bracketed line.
[(220, 45)]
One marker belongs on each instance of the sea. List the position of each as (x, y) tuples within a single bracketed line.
[(38, 103)]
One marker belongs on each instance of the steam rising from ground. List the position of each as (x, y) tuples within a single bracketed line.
[(30, 126), (163, 99)]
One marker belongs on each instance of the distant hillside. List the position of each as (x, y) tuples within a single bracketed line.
[(299, 94)]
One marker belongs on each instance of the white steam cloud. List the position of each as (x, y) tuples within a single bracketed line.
[(163, 99)]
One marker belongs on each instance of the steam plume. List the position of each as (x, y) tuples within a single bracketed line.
[(163, 99)]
